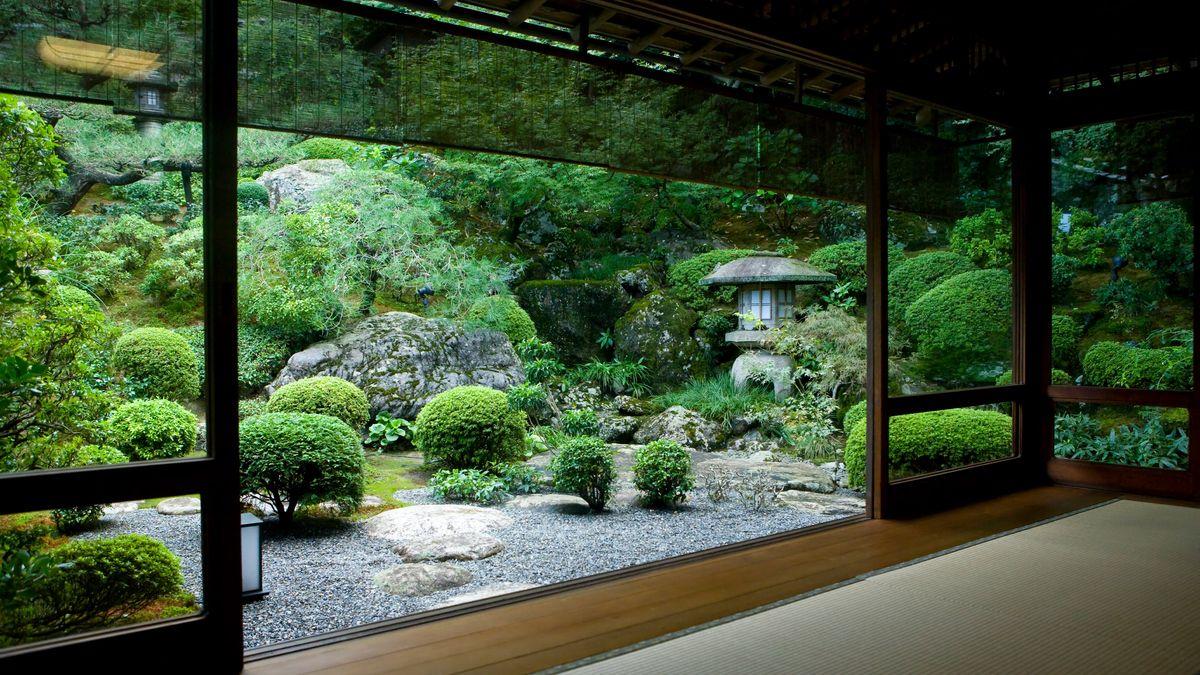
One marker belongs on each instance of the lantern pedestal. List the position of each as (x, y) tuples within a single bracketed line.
[(759, 365)]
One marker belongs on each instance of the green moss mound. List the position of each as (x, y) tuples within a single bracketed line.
[(157, 363), (295, 459), (1112, 364), (684, 278), (963, 326), (252, 195), (152, 429), (848, 261), (331, 396), (932, 441), (915, 276), (502, 313), (469, 427)]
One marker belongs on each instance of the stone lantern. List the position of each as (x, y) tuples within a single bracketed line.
[(766, 297)]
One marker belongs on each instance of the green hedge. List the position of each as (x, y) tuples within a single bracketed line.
[(932, 441), (914, 276), (963, 325), (1112, 364), (469, 427), (684, 278), (295, 459), (502, 313), (848, 261), (152, 429), (331, 396), (157, 363), (1056, 377)]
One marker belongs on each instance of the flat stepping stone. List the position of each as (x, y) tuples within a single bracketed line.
[(417, 579), (179, 506), (552, 503), (788, 475), (823, 504), (489, 591), (429, 521), (122, 507), (466, 546)]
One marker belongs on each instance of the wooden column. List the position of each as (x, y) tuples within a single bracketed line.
[(875, 101)]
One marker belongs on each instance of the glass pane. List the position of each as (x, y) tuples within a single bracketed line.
[(1130, 435), (949, 281), (926, 442), (1122, 266), (79, 569)]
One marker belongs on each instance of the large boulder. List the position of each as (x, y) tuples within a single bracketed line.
[(658, 330), (297, 183), (685, 427), (572, 313), (402, 361)]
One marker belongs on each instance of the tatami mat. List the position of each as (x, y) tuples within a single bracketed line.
[(1115, 589)]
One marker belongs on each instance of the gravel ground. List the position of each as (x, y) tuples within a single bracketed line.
[(319, 578)]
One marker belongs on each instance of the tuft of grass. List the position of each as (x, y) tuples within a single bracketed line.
[(716, 399)]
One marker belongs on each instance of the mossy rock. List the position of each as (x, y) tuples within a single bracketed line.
[(658, 330), (572, 313)]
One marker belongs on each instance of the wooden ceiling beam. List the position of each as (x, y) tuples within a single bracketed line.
[(818, 79), (854, 87), (523, 11), (700, 52), (637, 45), (591, 23), (772, 76), (739, 61)]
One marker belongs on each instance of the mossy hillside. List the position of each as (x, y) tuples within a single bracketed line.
[(571, 314)]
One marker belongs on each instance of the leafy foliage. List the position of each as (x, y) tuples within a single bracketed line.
[(178, 275), (388, 433), (1063, 269), (615, 377), (294, 459), (830, 350), (469, 427), (1112, 364), (662, 471), (1065, 333), (467, 485), (1147, 445), (684, 278), (848, 261), (157, 363), (716, 399), (152, 429), (331, 396), (580, 422), (1155, 236), (530, 399), (985, 238), (584, 466)]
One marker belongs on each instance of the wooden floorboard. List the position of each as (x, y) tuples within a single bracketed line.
[(560, 628)]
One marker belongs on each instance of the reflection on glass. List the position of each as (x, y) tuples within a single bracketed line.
[(84, 568), (1149, 437), (1122, 263)]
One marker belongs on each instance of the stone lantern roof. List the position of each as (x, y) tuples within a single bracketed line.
[(767, 268)]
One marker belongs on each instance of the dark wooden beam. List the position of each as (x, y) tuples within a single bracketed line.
[(590, 23), (875, 100), (738, 61), (523, 11), (700, 52), (641, 42), (772, 76), (851, 89)]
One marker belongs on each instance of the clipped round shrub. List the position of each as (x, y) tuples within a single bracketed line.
[(328, 148), (252, 195), (73, 296), (855, 414), (469, 427), (130, 231), (502, 313), (662, 471), (530, 399), (1065, 333), (126, 573), (1112, 364), (1062, 274), (331, 396), (1056, 377), (848, 262), (152, 429), (157, 363), (914, 276), (932, 441), (584, 466), (298, 459), (963, 325), (684, 278), (984, 238), (581, 422)]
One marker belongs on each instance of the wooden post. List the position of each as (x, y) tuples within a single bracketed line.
[(875, 101)]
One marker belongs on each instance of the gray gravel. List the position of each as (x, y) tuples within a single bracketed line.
[(319, 577)]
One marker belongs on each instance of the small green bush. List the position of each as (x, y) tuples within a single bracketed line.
[(1126, 299), (178, 275), (581, 422), (130, 231), (1065, 333), (469, 427), (848, 261), (985, 238), (1056, 377), (584, 466), (252, 195), (684, 278), (329, 148), (1062, 274), (98, 272), (932, 441), (716, 399), (1112, 364), (1157, 443), (963, 325), (467, 485), (331, 396), (300, 459), (530, 399), (157, 363), (1156, 236), (914, 276), (502, 313), (518, 479), (857, 413), (152, 429), (662, 471)]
